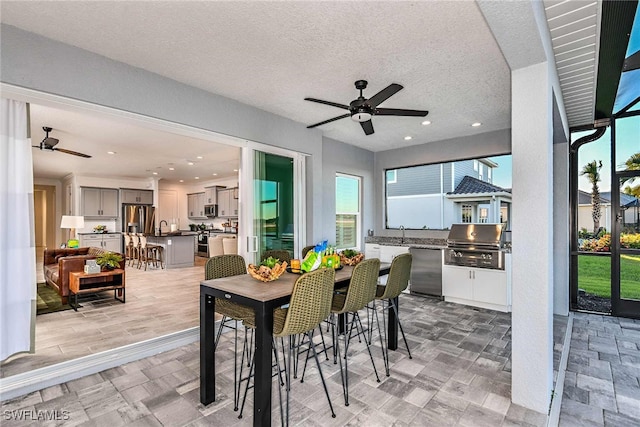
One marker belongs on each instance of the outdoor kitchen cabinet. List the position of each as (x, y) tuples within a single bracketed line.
[(385, 253), (480, 287)]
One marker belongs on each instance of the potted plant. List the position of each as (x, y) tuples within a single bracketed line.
[(109, 260)]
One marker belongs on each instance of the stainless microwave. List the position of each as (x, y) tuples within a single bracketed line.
[(211, 211)]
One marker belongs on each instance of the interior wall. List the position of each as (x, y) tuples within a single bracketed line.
[(53, 189), (35, 62), (40, 216), (481, 145), (351, 160)]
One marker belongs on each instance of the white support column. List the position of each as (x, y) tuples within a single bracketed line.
[(532, 277)]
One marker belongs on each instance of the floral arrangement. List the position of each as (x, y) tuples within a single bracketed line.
[(100, 228), (603, 244)]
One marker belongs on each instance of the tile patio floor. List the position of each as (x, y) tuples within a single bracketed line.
[(460, 374)]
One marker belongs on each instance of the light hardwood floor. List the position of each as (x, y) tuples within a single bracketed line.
[(158, 302)]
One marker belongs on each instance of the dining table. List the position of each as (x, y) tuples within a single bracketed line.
[(263, 297)]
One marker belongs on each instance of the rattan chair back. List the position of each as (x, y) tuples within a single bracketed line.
[(362, 287), (398, 279), (310, 302), (224, 266), (282, 255)]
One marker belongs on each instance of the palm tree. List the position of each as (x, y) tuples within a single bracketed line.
[(632, 164), (592, 172)]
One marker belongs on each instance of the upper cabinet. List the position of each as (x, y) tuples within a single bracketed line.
[(143, 197), (211, 195), (228, 203), (99, 202), (195, 206)]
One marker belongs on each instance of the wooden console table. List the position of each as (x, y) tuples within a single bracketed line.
[(83, 283)]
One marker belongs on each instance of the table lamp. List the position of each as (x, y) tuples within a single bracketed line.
[(72, 222)]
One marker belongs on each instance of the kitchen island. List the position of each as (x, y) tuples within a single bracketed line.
[(177, 248)]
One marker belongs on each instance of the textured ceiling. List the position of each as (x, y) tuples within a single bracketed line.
[(271, 55)]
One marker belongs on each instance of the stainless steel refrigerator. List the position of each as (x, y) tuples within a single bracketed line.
[(138, 219)]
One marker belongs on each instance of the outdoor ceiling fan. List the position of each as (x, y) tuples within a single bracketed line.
[(362, 109), (49, 143)]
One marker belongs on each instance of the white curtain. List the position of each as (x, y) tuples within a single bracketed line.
[(17, 242)]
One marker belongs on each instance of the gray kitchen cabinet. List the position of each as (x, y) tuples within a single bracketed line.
[(99, 202), (108, 241), (195, 206), (211, 195), (228, 203), (144, 197)]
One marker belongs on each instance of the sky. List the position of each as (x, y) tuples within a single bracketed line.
[(502, 174), (627, 142)]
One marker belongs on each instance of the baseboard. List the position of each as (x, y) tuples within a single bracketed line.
[(38, 379)]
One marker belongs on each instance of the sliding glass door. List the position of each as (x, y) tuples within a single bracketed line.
[(274, 210)]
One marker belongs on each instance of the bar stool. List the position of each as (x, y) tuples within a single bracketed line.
[(230, 246), (135, 248), (128, 248), (147, 253), (216, 247)]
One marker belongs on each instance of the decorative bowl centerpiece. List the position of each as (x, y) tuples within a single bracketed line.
[(351, 257), (268, 270)]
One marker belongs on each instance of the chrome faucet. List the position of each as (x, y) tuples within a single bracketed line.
[(160, 226), (402, 228)]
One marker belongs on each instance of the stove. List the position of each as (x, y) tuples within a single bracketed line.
[(203, 243), (475, 245)]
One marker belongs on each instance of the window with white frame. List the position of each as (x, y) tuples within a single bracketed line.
[(348, 215), (483, 215), (467, 213), (392, 176)]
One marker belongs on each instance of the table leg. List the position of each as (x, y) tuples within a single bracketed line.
[(207, 349), (262, 388), (392, 333)]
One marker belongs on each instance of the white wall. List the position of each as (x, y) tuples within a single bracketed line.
[(59, 238)]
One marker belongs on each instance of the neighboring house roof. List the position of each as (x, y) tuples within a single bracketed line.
[(471, 185), (626, 200)]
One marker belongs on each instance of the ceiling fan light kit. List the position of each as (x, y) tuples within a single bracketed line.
[(362, 109)]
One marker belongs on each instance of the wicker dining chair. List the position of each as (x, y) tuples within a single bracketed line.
[(282, 255), (361, 291), (226, 266), (310, 304), (397, 282)]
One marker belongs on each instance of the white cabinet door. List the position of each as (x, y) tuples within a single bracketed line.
[(91, 201), (457, 282), (371, 250), (387, 253), (490, 286), (109, 202), (233, 202), (210, 195), (146, 197), (111, 242), (90, 240), (224, 204)]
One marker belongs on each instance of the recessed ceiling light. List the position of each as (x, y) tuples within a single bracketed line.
[(172, 169), (155, 173), (182, 180), (197, 177), (199, 157), (235, 170), (190, 163), (215, 174), (111, 152), (407, 138), (426, 122), (476, 124)]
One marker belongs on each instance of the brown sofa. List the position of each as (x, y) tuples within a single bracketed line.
[(59, 262)]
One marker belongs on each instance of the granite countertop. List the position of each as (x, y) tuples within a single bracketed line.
[(95, 232), (412, 242)]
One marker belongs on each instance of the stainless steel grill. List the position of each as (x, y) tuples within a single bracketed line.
[(475, 245)]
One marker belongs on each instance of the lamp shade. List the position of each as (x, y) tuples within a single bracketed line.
[(70, 221)]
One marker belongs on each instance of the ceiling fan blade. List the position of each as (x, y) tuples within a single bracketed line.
[(75, 153), (330, 120), (400, 112), (333, 104), (384, 94), (367, 127)]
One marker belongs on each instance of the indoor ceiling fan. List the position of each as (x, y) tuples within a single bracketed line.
[(49, 143), (362, 109)]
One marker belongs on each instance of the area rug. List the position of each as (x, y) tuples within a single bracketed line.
[(49, 301)]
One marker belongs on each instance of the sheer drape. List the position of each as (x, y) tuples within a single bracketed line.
[(17, 242)]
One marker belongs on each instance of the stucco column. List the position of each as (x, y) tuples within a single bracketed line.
[(532, 277)]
